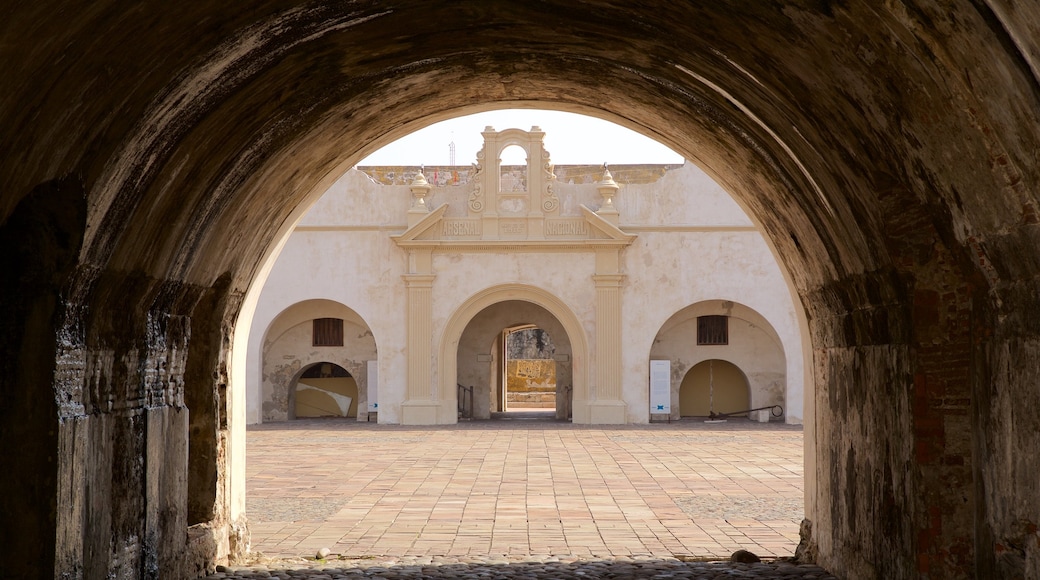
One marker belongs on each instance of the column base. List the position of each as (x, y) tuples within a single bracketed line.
[(419, 412), (607, 413)]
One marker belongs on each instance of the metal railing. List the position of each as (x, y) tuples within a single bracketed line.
[(465, 402), (774, 410)]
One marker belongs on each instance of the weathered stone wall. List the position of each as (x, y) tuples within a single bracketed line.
[(532, 343), (531, 382), (888, 150)]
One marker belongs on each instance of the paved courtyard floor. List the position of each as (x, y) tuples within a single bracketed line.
[(524, 488)]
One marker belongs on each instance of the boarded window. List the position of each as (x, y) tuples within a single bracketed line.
[(328, 332), (712, 330)]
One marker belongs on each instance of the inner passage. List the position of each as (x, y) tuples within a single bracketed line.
[(685, 489)]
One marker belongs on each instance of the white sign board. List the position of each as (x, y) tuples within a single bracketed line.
[(373, 386), (660, 387)]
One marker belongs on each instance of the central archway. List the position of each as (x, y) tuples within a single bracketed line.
[(485, 371), (456, 326)]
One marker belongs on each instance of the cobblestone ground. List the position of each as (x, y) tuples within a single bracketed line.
[(523, 499), (503, 568)]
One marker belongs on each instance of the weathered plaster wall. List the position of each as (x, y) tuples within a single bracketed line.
[(694, 244), (310, 270), (287, 354), (670, 272), (754, 347)]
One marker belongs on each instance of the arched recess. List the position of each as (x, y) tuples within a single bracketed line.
[(485, 328), (714, 386), (323, 389), (753, 346), (460, 320), (288, 349)]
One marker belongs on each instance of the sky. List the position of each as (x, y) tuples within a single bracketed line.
[(569, 138)]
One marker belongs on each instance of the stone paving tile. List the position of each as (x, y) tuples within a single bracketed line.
[(521, 488)]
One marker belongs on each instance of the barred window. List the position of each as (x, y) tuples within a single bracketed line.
[(712, 330), (328, 332)]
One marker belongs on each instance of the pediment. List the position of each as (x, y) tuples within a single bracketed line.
[(538, 232), (513, 207)]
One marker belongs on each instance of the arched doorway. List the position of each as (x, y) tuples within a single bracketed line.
[(530, 375), (324, 389), (482, 360), (713, 386), (451, 346)]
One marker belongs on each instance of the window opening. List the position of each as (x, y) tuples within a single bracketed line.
[(513, 176), (712, 330), (327, 332)]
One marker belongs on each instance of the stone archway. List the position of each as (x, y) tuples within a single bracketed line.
[(286, 349), (768, 360), (476, 366), (887, 150), (484, 302)]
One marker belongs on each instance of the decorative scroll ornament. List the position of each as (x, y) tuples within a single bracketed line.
[(476, 197), (549, 200)]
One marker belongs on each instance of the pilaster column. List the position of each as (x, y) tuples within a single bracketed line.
[(607, 406), (420, 405)]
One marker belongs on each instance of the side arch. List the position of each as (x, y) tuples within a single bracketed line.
[(755, 348), (456, 325), (286, 351)]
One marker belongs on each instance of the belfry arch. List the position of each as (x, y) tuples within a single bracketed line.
[(886, 150)]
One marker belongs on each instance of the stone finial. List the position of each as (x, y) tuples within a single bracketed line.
[(420, 188), (608, 188)]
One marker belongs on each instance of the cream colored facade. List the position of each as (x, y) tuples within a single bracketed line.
[(426, 270)]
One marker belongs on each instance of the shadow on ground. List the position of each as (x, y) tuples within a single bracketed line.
[(492, 568)]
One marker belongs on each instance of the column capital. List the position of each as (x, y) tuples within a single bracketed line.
[(418, 280), (608, 280)]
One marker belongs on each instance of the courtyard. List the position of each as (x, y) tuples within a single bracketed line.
[(523, 488)]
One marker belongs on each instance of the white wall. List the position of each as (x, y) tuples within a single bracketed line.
[(694, 244)]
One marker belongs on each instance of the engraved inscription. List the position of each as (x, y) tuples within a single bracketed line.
[(566, 228), (460, 228), (512, 228)]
